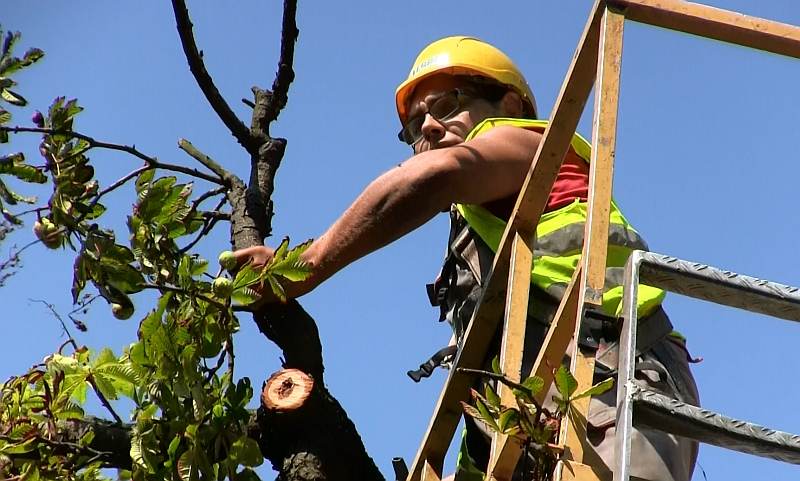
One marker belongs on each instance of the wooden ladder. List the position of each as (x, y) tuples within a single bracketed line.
[(596, 63)]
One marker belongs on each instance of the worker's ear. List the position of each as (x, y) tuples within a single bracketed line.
[(511, 105)]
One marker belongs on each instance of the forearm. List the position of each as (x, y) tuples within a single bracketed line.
[(394, 204)]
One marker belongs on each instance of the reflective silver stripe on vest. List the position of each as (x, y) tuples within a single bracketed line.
[(569, 240)]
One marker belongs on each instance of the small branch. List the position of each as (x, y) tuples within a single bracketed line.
[(60, 319), (206, 195), (103, 399), (151, 161), (248, 103), (204, 81), (119, 183), (210, 223), (178, 290), (508, 382), (204, 159)]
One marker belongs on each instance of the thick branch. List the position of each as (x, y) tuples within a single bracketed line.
[(204, 81), (268, 104)]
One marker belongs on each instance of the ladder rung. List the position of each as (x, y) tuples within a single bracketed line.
[(716, 285), (654, 410)]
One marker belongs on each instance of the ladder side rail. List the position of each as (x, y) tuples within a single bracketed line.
[(527, 210), (709, 283), (512, 347), (601, 172), (715, 23), (625, 368)]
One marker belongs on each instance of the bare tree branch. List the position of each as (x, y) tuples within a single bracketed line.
[(204, 159), (204, 81), (268, 105), (151, 161)]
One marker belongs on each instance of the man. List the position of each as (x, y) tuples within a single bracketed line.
[(468, 113)]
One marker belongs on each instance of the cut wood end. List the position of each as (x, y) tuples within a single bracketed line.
[(286, 390)]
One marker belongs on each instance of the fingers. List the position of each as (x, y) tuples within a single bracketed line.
[(257, 255)]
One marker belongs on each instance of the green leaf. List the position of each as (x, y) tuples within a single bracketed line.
[(277, 288), (289, 265), (534, 384), (496, 365), (246, 276), (486, 415), (174, 445), (471, 411), (121, 376), (246, 452), (13, 98), (19, 448), (144, 179), (595, 390), (491, 397), (5, 116), (565, 382), (104, 385), (136, 449), (508, 420), (14, 164), (245, 296), (31, 56)]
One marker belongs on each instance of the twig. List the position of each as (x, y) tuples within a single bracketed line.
[(60, 319), (151, 161), (207, 195), (508, 382), (204, 159), (119, 183), (209, 224), (204, 81), (179, 290), (103, 400)]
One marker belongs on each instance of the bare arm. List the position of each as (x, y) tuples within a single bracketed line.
[(490, 167)]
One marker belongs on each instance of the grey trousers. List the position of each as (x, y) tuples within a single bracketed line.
[(656, 456)]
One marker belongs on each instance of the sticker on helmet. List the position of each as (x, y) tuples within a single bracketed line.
[(438, 60)]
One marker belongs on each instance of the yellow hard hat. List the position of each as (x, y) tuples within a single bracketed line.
[(463, 56)]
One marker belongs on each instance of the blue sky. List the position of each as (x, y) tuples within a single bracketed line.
[(706, 170)]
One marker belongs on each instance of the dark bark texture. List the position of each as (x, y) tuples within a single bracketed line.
[(318, 441)]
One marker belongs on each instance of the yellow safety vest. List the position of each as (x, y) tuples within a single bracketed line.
[(559, 236)]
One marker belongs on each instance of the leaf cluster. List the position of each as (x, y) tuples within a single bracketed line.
[(285, 265), (535, 425), (14, 164), (36, 407), (189, 411)]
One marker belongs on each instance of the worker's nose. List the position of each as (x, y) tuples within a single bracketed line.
[(432, 129)]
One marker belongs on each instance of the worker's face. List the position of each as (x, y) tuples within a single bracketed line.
[(452, 129)]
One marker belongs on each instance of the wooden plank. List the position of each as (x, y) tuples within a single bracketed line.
[(431, 472), (601, 170), (563, 122), (716, 23), (572, 471), (512, 347), (530, 204)]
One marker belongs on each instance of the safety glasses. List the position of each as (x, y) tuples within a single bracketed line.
[(442, 109)]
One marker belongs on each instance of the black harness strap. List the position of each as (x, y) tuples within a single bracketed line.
[(441, 358)]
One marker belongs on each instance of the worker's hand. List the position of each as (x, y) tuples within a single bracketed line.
[(260, 256)]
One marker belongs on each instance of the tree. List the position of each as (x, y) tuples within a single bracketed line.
[(189, 416)]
